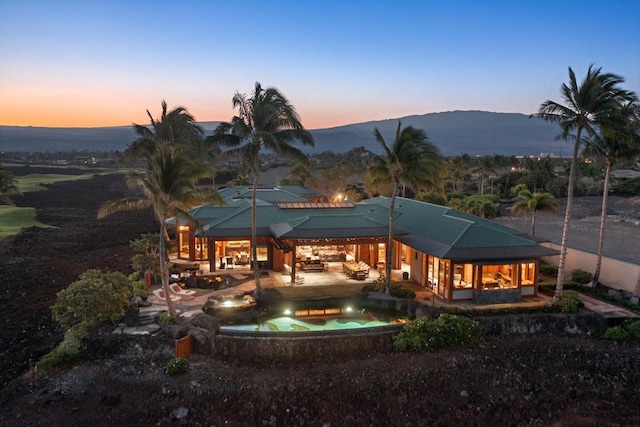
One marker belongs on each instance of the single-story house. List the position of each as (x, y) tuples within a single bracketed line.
[(458, 255)]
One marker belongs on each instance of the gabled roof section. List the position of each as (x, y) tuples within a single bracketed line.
[(447, 233), (330, 226), (288, 193)]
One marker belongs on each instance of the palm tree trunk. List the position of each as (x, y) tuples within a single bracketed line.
[(567, 216), (533, 223), (164, 273), (603, 217), (254, 234), (389, 254), (636, 291)]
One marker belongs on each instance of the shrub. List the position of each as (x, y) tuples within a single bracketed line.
[(403, 293), (569, 302), (616, 333), (67, 352), (94, 298), (446, 331), (633, 328), (548, 270), (177, 366), (628, 330), (580, 276), (165, 318)]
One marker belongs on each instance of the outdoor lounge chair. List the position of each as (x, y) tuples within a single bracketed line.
[(159, 293), (183, 293)]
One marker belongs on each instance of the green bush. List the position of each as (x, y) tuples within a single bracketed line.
[(403, 293), (633, 327), (580, 276), (628, 330), (448, 330), (569, 302), (548, 270), (165, 318), (94, 298), (66, 353), (177, 366), (616, 333)]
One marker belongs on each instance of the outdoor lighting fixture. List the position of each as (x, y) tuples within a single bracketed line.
[(348, 309), (286, 312)]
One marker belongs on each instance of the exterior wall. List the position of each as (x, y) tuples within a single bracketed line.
[(278, 260), (614, 273)]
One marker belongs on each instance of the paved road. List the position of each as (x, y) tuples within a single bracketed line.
[(622, 236)]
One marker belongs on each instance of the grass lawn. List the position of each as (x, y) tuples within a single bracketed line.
[(32, 182), (13, 219)]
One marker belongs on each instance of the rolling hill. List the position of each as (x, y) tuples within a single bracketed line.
[(455, 132)]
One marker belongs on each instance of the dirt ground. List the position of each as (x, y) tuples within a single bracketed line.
[(537, 380)]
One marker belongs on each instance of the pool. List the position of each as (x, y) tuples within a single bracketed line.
[(310, 321)]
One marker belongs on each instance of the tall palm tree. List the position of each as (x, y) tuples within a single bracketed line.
[(457, 166), (266, 119), (412, 161), (486, 166), (585, 106), (7, 186), (533, 202), (619, 138), (168, 185), (177, 126)]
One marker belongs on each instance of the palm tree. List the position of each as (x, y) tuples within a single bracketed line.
[(534, 202), (411, 161), (585, 106), (173, 127), (7, 186), (618, 138), (485, 168), (240, 180), (168, 185), (457, 170), (266, 119)]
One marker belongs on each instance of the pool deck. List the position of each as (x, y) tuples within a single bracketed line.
[(188, 308)]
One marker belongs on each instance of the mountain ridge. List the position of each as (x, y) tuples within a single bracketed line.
[(454, 132)]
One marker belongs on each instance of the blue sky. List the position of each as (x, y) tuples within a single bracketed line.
[(103, 63)]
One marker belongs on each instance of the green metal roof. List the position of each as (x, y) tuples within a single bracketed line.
[(436, 230)]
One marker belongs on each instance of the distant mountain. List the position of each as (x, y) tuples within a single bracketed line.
[(454, 132)]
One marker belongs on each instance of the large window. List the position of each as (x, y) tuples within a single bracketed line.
[(202, 249), (183, 242), (462, 276), (527, 273), (498, 276)]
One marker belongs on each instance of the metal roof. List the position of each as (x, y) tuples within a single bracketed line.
[(437, 230)]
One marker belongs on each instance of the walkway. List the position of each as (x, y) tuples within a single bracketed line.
[(607, 310)]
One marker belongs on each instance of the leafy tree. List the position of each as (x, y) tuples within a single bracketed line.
[(412, 161), (533, 202), (147, 254), (619, 137), (266, 119), (585, 107), (8, 186), (94, 298)]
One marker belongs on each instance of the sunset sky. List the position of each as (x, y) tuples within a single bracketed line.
[(104, 63)]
